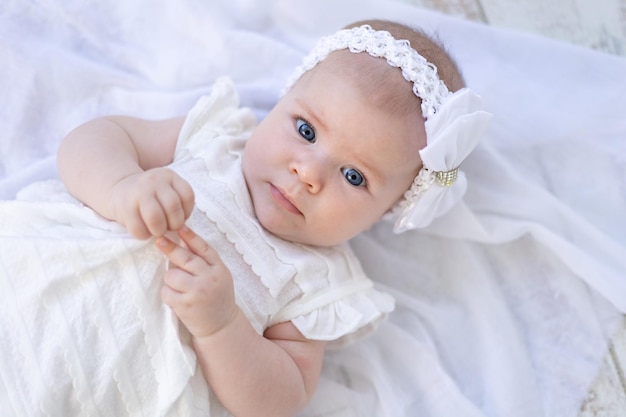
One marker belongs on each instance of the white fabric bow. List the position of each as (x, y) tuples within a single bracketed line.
[(451, 134)]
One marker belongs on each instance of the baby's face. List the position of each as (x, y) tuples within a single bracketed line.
[(325, 164)]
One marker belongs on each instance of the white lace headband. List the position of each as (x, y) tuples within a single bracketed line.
[(454, 122)]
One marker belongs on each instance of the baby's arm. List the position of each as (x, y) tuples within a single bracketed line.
[(114, 165), (274, 374)]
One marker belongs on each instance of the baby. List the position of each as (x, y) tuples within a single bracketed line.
[(253, 221)]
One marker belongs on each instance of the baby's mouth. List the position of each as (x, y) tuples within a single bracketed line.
[(283, 200)]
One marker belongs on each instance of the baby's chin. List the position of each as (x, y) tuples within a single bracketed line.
[(312, 238), (295, 237), (305, 233)]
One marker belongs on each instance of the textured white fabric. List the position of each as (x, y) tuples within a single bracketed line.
[(502, 306), (82, 328)]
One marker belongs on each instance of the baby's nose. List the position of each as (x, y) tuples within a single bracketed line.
[(311, 174)]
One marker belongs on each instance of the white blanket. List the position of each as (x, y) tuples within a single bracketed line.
[(505, 307)]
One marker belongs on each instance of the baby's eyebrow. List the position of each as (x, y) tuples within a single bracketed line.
[(311, 115)]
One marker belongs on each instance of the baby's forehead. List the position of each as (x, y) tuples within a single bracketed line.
[(378, 80)]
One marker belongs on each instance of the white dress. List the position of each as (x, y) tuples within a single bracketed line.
[(83, 330)]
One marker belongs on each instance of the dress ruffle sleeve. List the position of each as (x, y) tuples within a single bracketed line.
[(214, 115), (346, 320), (341, 305)]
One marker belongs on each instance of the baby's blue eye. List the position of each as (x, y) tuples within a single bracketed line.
[(305, 130), (353, 176)]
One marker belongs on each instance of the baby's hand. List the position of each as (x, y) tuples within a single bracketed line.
[(152, 202), (199, 288)]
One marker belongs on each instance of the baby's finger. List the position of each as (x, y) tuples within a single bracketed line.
[(169, 296), (178, 281), (181, 257), (152, 214), (199, 246), (186, 195), (135, 225), (172, 208)]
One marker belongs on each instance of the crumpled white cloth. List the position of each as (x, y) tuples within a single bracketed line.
[(504, 307), (96, 343)]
